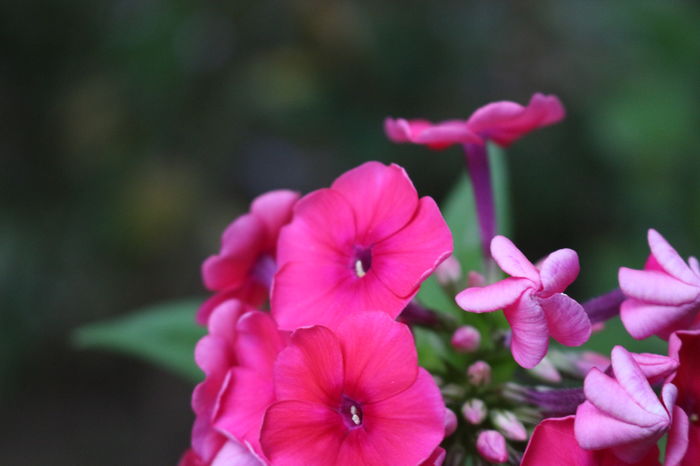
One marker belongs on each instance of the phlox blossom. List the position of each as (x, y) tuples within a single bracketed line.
[(245, 265), (532, 300), (663, 297), (684, 346), (365, 243), (353, 395)]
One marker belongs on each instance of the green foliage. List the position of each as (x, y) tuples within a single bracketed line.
[(164, 334)]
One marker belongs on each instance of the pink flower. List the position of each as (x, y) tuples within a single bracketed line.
[(366, 243), (492, 446), (479, 373), (353, 395), (553, 444), (474, 411), (231, 453), (501, 122), (466, 339), (244, 267), (533, 301), (663, 297), (684, 346), (624, 414)]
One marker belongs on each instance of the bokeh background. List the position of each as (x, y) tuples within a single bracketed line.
[(133, 131)]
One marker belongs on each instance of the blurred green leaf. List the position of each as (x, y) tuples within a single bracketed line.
[(430, 349), (164, 334)]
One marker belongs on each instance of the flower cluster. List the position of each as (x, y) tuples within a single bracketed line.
[(322, 349)]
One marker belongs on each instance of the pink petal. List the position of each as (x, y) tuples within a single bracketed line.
[(401, 130), (447, 133), (300, 432), (656, 287), (692, 455), (274, 209), (380, 356), (504, 122), (669, 259), (251, 293), (407, 427), (235, 454), (642, 320), (382, 197), (553, 444), (243, 405), (559, 270), (567, 322), (530, 337), (493, 297), (213, 354), (654, 366), (632, 379), (491, 445), (258, 341), (310, 368), (403, 260), (694, 265), (224, 318), (436, 458), (512, 261)]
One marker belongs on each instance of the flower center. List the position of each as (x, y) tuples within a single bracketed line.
[(362, 261), (263, 270), (351, 412)]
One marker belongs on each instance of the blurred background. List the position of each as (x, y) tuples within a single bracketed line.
[(133, 131)]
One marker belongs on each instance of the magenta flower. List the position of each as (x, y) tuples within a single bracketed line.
[(366, 243), (501, 122), (533, 301), (553, 444), (244, 267), (684, 346), (353, 395), (663, 297), (624, 414)]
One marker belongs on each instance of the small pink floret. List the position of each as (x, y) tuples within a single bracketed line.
[(491, 445)]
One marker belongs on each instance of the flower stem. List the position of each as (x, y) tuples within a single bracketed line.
[(477, 160), (605, 306)]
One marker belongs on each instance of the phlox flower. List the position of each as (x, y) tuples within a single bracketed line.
[(365, 243), (501, 122), (351, 396), (244, 267), (663, 297), (684, 346), (624, 414), (532, 300)]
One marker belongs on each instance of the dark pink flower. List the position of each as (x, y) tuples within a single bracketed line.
[(366, 243), (553, 444), (533, 301), (244, 267), (685, 347), (662, 298), (624, 414), (353, 395)]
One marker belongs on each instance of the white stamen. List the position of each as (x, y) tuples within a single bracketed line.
[(356, 419), (353, 409), (359, 270)]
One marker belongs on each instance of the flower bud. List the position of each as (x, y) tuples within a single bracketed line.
[(474, 411), (479, 373), (492, 446), (466, 339), (587, 360), (509, 425), (449, 271), (475, 279), (546, 371), (450, 422)]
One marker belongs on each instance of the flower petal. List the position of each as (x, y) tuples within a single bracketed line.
[(567, 322), (447, 133), (656, 287), (382, 197), (559, 270), (402, 130), (258, 341), (669, 259), (642, 320), (493, 297), (274, 209), (379, 354), (403, 260), (553, 444), (530, 336), (632, 379), (511, 260)]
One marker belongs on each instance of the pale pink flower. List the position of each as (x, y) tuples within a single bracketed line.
[(533, 301), (663, 297), (366, 243), (450, 422), (449, 271), (244, 267), (491, 445), (474, 411), (479, 373), (353, 395), (509, 425), (545, 370), (466, 339), (624, 414)]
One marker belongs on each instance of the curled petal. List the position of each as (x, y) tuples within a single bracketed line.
[(642, 320), (274, 209), (567, 322), (656, 287), (559, 270), (511, 260), (530, 337), (493, 297), (669, 259)]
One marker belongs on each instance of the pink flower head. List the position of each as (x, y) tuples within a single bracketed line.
[(553, 444), (366, 243), (491, 445), (244, 267), (501, 122), (624, 414), (353, 395), (533, 301), (684, 346), (663, 297)]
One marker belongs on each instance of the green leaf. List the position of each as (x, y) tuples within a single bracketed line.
[(460, 213), (430, 349), (164, 334)]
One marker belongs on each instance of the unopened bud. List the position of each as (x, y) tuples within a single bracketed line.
[(450, 422), (479, 373), (492, 446), (546, 371), (509, 425), (474, 411), (475, 279), (466, 339), (449, 271)]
